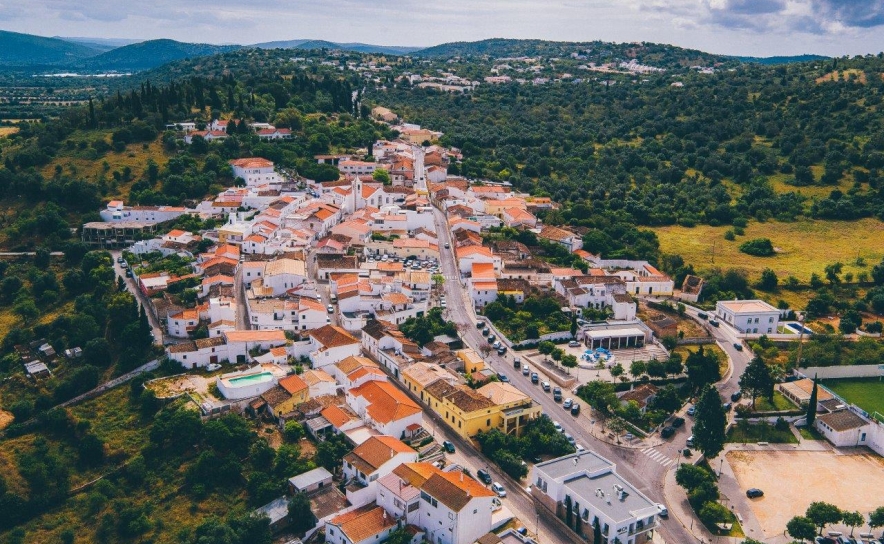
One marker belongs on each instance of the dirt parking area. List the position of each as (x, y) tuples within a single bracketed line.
[(176, 385), (791, 480)]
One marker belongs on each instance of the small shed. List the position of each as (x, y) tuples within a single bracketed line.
[(277, 511), (46, 350), (37, 369), (73, 353), (310, 481)]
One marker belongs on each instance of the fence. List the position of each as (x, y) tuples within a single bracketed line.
[(834, 372)]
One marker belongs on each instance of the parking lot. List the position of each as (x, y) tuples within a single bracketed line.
[(791, 480)]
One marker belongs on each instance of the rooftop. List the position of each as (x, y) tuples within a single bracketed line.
[(374, 452), (363, 523), (747, 306), (842, 420)]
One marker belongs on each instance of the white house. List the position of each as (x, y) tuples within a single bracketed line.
[(374, 458), (368, 524), (383, 406), (590, 486), (319, 382), (749, 316), (330, 344), (255, 171), (284, 274)]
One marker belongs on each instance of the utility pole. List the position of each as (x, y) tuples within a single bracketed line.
[(713, 252), (800, 340)]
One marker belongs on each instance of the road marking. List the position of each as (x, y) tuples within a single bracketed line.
[(658, 457)]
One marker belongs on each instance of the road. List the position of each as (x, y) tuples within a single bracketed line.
[(156, 326), (643, 469)]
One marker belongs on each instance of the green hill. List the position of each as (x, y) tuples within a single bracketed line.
[(153, 53), (26, 50)]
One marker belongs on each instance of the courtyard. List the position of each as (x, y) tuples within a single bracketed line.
[(791, 480)]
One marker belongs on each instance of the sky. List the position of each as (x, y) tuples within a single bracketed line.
[(735, 27)]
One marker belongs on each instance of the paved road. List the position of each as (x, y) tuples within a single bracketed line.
[(156, 327), (643, 469)]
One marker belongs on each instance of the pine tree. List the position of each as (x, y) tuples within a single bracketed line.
[(811, 404), (756, 380), (596, 532), (144, 328), (710, 423), (569, 515)]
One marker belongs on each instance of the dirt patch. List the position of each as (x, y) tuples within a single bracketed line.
[(5, 419), (791, 480), (852, 74)]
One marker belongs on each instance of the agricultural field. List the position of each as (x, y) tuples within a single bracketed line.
[(866, 393), (803, 247)]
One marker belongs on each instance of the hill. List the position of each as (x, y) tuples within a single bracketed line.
[(782, 60), (661, 55), (153, 53), (101, 44), (322, 44), (26, 50)]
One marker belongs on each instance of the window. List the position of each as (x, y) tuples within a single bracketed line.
[(488, 423)]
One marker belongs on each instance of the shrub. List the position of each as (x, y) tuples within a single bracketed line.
[(759, 247)]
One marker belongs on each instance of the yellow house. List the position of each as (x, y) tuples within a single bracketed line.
[(419, 375), (516, 408), (496, 207), (493, 406), (471, 361), (291, 392)]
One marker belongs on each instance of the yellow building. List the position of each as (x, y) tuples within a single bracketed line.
[(472, 363), (468, 412), (292, 391), (496, 207), (419, 375)]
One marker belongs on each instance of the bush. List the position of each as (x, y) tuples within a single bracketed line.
[(759, 247)]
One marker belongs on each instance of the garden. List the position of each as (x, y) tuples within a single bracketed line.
[(536, 316)]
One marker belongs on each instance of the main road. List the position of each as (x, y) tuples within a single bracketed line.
[(643, 467)]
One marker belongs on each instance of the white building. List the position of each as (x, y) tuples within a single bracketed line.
[(116, 212), (373, 459), (590, 486), (330, 344), (383, 406), (749, 316), (255, 171)]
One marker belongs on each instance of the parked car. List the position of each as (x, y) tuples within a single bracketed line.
[(483, 476), (124, 264), (727, 406), (496, 344), (558, 426), (570, 439), (568, 403), (448, 446), (692, 410), (480, 324), (754, 493), (486, 331), (573, 344), (517, 364), (575, 409), (579, 448), (498, 490), (678, 422), (120, 260), (557, 394), (503, 378), (702, 315), (545, 386), (526, 371), (128, 273), (662, 511), (447, 245), (330, 309), (519, 360), (689, 442), (737, 395), (534, 378), (501, 350), (491, 338), (713, 322), (667, 431), (738, 346)]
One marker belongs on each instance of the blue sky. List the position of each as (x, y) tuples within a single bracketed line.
[(740, 27)]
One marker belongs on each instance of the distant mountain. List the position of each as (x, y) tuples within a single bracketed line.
[(101, 44), (29, 50), (322, 44), (153, 53), (782, 60)]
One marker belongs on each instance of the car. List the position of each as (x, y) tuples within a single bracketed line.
[(754, 493), (517, 364), (737, 395), (570, 439), (503, 378), (727, 406), (447, 245), (498, 490), (662, 511), (448, 446), (526, 370), (120, 260), (568, 403), (486, 331), (128, 273), (824, 540), (713, 322), (575, 409), (536, 459), (689, 442), (573, 344), (534, 378), (692, 410), (124, 265), (579, 448), (483, 476), (667, 431), (491, 338), (545, 386), (496, 344), (558, 426), (738, 346), (677, 422), (331, 309), (702, 315), (522, 530), (557, 394), (327, 320), (480, 325), (501, 350)]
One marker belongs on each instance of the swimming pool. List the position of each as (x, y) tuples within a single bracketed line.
[(243, 381), (245, 385), (797, 328)]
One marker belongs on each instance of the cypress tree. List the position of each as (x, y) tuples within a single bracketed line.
[(569, 515), (596, 532), (811, 404)]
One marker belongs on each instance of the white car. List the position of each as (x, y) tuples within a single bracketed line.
[(579, 448), (498, 490), (558, 426)]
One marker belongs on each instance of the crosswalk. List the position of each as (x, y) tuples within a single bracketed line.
[(658, 457)]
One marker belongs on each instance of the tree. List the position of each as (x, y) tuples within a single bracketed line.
[(599, 394), (301, 518), (801, 528), (759, 247), (381, 175), (768, 281), (399, 536), (756, 380), (833, 273), (674, 365), (702, 369), (617, 370), (596, 531), (637, 368), (713, 512), (822, 514), (876, 518), (293, 431), (710, 422), (569, 361), (569, 513), (656, 369), (691, 476), (811, 404), (852, 520)]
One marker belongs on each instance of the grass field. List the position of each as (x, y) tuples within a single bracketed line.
[(779, 404), (804, 247), (745, 433), (684, 351), (6, 131), (866, 393)]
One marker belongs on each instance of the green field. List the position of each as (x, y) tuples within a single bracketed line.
[(867, 393), (803, 247)]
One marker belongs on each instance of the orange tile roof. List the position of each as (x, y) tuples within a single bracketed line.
[(255, 336), (483, 270), (330, 336), (387, 402), (374, 452), (364, 523), (454, 489), (353, 363), (337, 416), (293, 384), (473, 250), (253, 162)]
